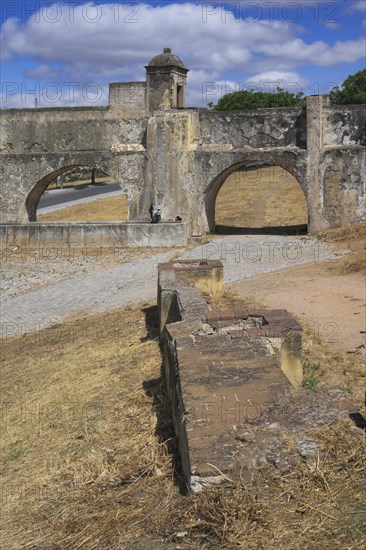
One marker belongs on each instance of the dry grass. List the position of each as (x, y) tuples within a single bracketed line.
[(353, 238), (264, 197), (99, 210), (86, 457), (82, 464)]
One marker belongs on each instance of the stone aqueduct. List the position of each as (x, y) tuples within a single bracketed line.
[(172, 160)]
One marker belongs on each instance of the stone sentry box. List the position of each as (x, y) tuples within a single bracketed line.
[(221, 368)]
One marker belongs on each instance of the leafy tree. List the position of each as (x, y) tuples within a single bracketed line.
[(248, 99), (353, 90)]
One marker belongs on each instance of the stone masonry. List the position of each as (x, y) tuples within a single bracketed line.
[(221, 368), (171, 161)]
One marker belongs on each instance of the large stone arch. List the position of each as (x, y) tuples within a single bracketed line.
[(216, 167)]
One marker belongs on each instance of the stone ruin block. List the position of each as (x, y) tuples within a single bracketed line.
[(192, 278), (230, 377), (205, 275), (277, 326), (222, 370)]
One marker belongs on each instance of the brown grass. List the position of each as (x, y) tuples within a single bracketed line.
[(86, 457), (264, 197), (100, 210), (353, 238)]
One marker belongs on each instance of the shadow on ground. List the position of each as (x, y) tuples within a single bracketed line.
[(156, 389), (285, 230)]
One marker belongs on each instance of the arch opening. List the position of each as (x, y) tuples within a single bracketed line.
[(256, 197), (77, 192)]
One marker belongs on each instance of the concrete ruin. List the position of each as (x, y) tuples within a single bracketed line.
[(171, 161), (221, 368)]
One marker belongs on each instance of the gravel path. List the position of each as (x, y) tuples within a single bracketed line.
[(40, 294)]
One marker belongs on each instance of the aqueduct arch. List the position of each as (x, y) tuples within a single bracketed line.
[(38, 171), (213, 187), (36, 192), (32, 200), (172, 159)]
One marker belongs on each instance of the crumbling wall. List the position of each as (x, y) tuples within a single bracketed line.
[(221, 368), (344, 124)]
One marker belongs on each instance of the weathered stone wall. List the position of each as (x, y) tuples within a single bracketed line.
[(25, 177), (38, 144), (220, 367), (172, 162), (343, 184), (64, 130), (253, 129), (343, 124), (180, 288), (128, 96), (336, 173), (103, 234)]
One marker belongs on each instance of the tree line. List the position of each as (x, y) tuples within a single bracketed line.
[(352, 91)]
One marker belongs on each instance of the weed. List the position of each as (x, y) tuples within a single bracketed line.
[(312, 374), (18, 451)]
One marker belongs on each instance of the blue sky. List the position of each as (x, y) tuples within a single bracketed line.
[(66, 52)]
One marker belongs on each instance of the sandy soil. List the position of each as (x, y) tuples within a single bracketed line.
[(334, 306), (330, 296)]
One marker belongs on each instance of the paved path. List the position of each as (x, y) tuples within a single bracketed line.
[(134, 282), (70, 198), (97, 291)]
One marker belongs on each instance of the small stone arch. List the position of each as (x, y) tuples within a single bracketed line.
[(287, 162), (33, 197)]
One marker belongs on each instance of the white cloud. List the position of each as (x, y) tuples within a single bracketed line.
[(108, 43), (318, 53), (332, 25), (270, 80), (114, 41), (359, 5)]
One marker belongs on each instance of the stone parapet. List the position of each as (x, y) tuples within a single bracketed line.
[(100, 234)]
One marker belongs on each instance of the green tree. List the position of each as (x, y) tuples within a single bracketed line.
[(248, 99), (353, 90)]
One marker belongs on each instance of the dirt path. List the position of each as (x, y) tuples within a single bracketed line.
[(333, 305)]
